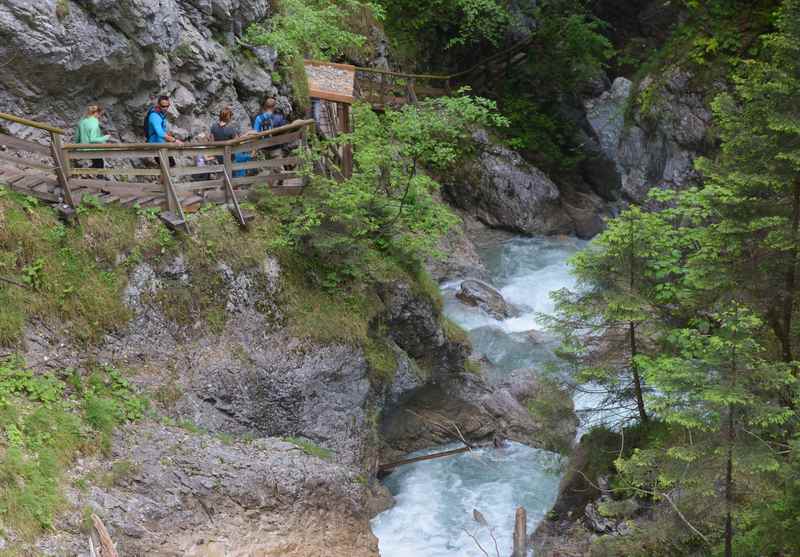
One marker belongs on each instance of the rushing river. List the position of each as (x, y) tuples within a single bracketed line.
[(435, 499)]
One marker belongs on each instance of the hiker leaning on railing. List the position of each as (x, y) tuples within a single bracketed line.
[(88, 131)]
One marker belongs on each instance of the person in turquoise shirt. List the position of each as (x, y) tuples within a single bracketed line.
[(88, 131)]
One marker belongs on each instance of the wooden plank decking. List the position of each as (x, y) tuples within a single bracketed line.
[(54, 173)]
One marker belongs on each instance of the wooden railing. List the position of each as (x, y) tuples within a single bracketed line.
[(384, 88), (43, 162), (160, 175)]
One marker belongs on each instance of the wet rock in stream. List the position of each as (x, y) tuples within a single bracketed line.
[(479, 294)]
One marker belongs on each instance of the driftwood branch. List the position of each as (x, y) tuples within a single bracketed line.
[(477, 543), (449, 427), (106, 546), (15, 283)]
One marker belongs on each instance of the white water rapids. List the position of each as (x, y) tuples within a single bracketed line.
[(435, 499)]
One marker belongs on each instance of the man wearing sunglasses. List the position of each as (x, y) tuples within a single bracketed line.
[(157, 131)]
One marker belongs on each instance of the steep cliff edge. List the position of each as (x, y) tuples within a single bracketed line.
[(267, 393)]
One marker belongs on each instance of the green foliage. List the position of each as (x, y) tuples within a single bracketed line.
[(568, 49), (720, 282), (74, 275), (455, 333), (612, 317), (713, 28), (445, 24), (711, 39), (311, 28), (389, 203), (550, 408), (309, 447), (539, 132), (46, 423), (317, 29), (381, 360)]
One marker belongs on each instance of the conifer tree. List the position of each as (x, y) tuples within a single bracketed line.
[(753, 188), (711, 386), (612, 317)]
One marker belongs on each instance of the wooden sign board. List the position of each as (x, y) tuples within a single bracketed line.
[(331, 82)]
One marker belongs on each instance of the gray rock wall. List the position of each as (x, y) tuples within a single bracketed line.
[(58, 56), (171, 492), (664, 132), (504, 191)]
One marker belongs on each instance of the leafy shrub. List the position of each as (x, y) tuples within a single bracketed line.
[(311, 28), (44, 430), (73, 276), (438, 25), (389, 203)]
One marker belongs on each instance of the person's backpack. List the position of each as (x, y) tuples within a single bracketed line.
[(263, 122), (146, 125)]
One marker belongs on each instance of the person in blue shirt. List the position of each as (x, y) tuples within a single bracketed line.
[(269, 117), (241, 157), (157, 127)]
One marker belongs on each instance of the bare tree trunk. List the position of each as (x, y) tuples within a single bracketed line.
[(520, 534), (637, 382), (790, 280), (729, 487)]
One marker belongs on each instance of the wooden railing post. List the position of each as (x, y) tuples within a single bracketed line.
[(228, 162), (62, 167), (173, 202), (347, 148), (230, 198), (410, 92), (166, 181), (520, 534)]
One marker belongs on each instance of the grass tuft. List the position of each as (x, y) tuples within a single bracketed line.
[(309, 447)]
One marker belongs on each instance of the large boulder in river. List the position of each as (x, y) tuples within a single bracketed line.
[(467, 407), (481, 295), (503, 191)]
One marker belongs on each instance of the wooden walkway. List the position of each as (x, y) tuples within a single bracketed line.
[(386, 89), (166, 176), (163, 176)]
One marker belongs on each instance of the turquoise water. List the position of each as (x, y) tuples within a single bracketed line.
[(435, 499)]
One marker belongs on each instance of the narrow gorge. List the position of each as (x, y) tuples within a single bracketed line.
[(561, 236)]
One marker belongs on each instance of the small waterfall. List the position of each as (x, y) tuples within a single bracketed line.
[(435, 499)]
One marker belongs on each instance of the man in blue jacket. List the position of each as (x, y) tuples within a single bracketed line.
[(269, 117), (157, 130)]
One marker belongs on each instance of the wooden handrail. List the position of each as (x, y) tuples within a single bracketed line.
[(186, 146), (445, 77), (494, 57), (31, 123), (403, 74)]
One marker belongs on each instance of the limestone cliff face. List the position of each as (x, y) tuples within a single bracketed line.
[(58, 56), (667, 129), (211, 470), (504, 191)]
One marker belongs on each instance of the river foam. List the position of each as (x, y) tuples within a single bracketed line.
[(435, 499)]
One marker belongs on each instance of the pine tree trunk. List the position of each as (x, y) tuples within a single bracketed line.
[(791, 280), (729, 487), (730, 436), (637, 382)]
